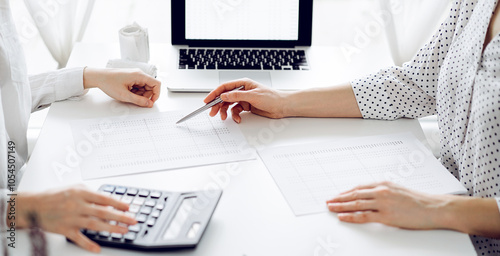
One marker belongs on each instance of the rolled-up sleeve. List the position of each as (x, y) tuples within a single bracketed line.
[(410, 90), (47, 88)]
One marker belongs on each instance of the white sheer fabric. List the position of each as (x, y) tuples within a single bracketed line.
[(61, 23), (411, 24)]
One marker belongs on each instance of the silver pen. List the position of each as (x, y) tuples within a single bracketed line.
[(212, 103)]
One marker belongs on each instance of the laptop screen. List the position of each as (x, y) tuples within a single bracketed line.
[(242, 20), (242, 23)]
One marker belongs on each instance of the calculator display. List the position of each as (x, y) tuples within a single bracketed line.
[(180, 218)]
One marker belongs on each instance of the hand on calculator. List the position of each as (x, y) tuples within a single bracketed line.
[(66, 211), (165, 219)]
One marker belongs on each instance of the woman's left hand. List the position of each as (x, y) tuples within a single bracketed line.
[(127, 85), (392, 205)]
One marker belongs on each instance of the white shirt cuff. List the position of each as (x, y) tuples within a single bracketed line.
[(69, 83)]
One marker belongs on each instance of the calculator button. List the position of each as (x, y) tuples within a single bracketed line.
[(109, 188), (131, 214), (138, 201), (104, 234), (150, 222), (130, 236), (155, 195), (141, 218), (116, 197), (112, 222), (155, 214), (146, 210), (127, 199), (135, 228), (143, 193), (120, 190), (116, 236), (132, 191), (134, 208), (160, 206), (91, 232), (151, 203)]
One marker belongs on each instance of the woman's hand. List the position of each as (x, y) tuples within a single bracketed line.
[(397, 206), (127, 85), (392, 205), (67, 211), (256, 98)]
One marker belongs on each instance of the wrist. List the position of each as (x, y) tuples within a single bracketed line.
[(287, 100), (91, 77), (467, 214), (26, 203), (476, 216), (444, 213)]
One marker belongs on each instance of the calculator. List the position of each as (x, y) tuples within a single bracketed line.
[(166, 220)]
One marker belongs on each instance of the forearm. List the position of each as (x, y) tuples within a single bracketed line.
[(335, 101), (472, 215)]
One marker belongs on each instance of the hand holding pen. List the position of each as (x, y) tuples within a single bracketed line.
[(255, 97), (210, 104)]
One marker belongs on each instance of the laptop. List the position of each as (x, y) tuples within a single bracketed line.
[(222, 40)]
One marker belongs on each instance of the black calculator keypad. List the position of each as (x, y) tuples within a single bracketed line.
[(165, 220), (144, 205)]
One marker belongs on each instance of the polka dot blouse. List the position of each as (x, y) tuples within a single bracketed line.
[(454, 77)]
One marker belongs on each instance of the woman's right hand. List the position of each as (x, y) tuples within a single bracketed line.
[(255, 97), (68, 210)]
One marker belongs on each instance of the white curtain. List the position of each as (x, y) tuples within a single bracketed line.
[(413, 23), (61, 23)]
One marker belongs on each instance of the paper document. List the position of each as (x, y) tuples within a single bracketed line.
[(141, 143), (309, 175)]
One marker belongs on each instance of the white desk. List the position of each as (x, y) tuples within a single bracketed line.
[(252, 217)]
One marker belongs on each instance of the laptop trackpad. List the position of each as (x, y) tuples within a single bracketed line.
[(261, 77)]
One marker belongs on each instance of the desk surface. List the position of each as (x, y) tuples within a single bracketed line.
[(252, 217)]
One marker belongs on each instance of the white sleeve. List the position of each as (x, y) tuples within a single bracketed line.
[(3, 221), (47, 88)]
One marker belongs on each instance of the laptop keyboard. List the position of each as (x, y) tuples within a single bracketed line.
[(242, 59)]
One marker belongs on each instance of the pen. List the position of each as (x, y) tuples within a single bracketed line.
[(212, 103)]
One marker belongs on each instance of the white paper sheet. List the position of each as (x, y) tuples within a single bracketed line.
[(141, 143), (308, 175)]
